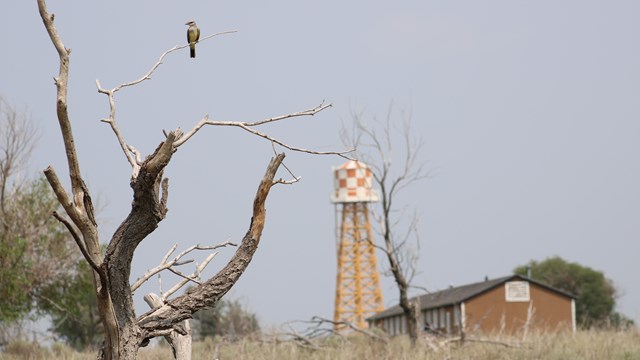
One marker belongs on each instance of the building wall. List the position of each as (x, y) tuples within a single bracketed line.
[(489, 312), (444, 320), (393, 325)]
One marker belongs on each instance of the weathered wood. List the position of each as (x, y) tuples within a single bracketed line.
[(180, 342), (210, 292)]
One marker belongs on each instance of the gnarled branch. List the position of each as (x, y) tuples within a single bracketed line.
[(150, 192), (213, 289)]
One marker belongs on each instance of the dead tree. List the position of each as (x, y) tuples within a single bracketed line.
[(125, 332), (374, 144)]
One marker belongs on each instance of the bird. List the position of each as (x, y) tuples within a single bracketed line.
[(193, 34)]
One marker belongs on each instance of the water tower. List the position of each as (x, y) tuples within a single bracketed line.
[(358, 291)]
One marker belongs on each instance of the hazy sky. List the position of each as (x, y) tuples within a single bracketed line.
[(530, 112)]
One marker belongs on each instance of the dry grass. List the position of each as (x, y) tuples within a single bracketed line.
[(594, 345)]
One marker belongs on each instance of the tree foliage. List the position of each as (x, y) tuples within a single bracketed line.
[(34, 248), (595, 294), (228, 318), (71, 304)]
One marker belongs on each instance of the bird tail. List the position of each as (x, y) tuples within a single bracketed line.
[(193, 51)]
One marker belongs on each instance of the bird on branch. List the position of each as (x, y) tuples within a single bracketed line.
[(193, 34)]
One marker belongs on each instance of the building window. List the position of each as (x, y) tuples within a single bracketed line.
[(434, 315), (427, 318), (448, 322), (442, 320)]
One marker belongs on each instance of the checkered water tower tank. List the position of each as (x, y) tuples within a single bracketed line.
[(353, 182)]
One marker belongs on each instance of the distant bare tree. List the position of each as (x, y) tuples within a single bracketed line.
[(125, 332), (373, 141), (17, 140)]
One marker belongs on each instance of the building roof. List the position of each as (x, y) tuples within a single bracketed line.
[(455, 295)]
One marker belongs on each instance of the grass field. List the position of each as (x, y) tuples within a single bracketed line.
[(596, 345)]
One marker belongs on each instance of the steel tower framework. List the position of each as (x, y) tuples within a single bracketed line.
[(358, 291)]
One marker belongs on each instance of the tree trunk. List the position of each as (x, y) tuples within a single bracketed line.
[(411, 311)]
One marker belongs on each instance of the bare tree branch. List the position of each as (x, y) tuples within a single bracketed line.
[(320, 321), (376, 150), (287, 182), (213, 289), (184, 277), (132, 155), (165, 264), (61, 194), (317, 329), (194, 275), (78, 240), (249, 126), (148, 75), (63, 115), (129, 151), (17, 140)]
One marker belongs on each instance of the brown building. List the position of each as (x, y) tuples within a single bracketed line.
[(504, 305)]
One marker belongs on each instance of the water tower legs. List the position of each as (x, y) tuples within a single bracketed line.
[(358, 291)]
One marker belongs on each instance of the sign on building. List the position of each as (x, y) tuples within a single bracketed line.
[(516, 291)]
